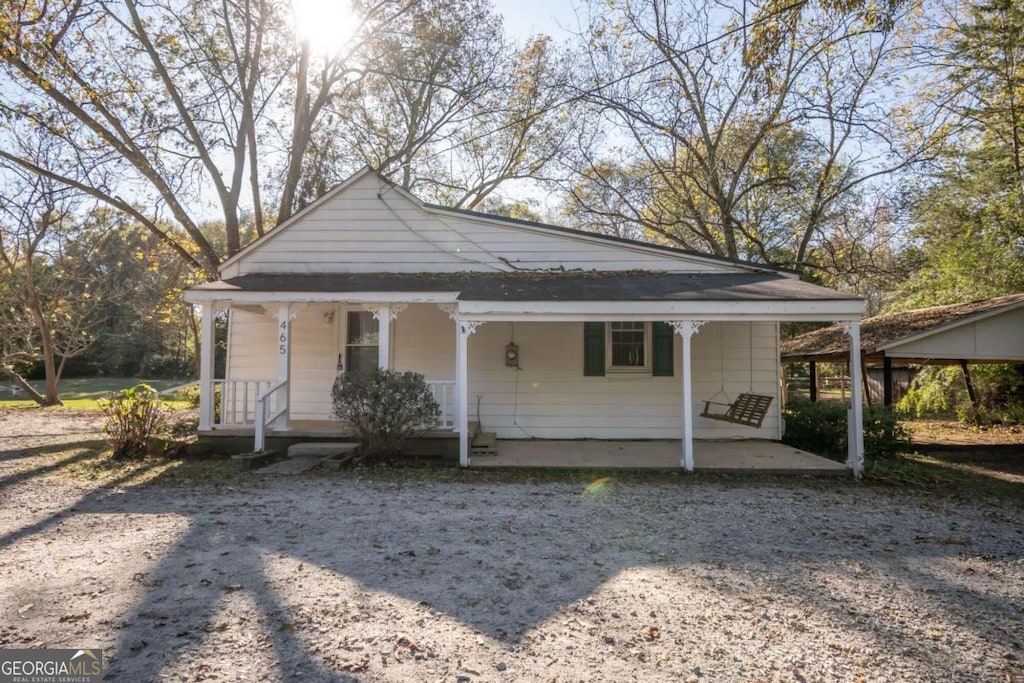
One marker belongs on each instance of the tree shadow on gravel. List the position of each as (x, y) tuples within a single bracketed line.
[(503, 569), (84, 451)]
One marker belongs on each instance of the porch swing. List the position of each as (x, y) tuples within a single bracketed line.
[(748, 409)]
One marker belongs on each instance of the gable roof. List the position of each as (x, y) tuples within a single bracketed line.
[(607, 238), (882, 332), (684, 255)]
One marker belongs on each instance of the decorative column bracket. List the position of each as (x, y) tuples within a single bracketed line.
[(468, 327), (377, 310), (687, 328), (293, 311)]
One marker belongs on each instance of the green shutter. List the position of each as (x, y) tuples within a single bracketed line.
[(662, 349), (593, 349)]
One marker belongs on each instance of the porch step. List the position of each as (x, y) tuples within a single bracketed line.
[(484, 443), (322, 449)]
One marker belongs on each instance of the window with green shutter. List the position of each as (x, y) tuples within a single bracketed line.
[(662, 349), (593, 349), (637, 348)]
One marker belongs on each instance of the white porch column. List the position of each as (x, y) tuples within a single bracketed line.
[(451, 310), (686, 329), (207, 345), (465, 329), (384, 315), (285, 314), (855, 417)]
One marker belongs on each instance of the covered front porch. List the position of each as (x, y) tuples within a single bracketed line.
[(599, 367)]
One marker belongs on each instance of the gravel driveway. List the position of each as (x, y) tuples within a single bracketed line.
[(349, 580)]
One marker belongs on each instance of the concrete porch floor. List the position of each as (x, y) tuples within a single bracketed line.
[(709, 456)]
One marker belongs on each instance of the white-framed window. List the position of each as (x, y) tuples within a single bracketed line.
[(361, 340), (628, 347)]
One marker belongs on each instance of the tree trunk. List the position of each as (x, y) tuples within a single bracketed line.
[(25, 386), (49, 354)]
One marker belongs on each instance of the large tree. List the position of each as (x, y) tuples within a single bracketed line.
[(968, 216), (53, 294), (171, 109), (717, 149), (452, 108)]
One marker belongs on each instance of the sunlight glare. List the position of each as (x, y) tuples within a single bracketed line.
[(328, 25)]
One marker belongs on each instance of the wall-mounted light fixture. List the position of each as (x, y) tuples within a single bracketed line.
[(511, 355)]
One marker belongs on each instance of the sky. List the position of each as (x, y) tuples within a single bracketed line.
[(523, 18)]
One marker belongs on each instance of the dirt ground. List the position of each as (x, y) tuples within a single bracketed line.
[(339, 578), (950, 433)]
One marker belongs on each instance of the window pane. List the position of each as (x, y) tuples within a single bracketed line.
[(362, 328), (361, 358), (627, 341)]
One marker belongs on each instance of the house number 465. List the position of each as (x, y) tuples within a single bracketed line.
[(283, 346)]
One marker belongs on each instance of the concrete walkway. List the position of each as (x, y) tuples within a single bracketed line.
[(723, 456)]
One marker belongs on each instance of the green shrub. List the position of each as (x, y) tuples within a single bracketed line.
[(133, 416), (939, 391), (820, 427), (190, 396), (385, 407), (884, 434)]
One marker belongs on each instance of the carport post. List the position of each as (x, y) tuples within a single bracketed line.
[(686, 329)]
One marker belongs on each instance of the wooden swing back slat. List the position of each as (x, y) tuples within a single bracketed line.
[(747, 409)]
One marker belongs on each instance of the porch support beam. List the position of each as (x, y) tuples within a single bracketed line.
[(465, 329), (855, 417), (686, 329), (813, 379), (887, 397), (206, 355)]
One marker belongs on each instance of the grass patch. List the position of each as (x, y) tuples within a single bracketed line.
[(84, 392), (100, 469), (953, 473)]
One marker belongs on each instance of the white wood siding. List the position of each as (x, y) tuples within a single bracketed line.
[(252, 344), (1000, 337), (359, 231), (548, 397)]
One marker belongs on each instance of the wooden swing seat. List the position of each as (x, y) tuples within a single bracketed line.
[(747, 409)]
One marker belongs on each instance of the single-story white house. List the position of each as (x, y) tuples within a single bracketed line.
[(533, 331)]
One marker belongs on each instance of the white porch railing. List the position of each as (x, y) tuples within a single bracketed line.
[(238, 399), (268, 409), (444, 394)]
